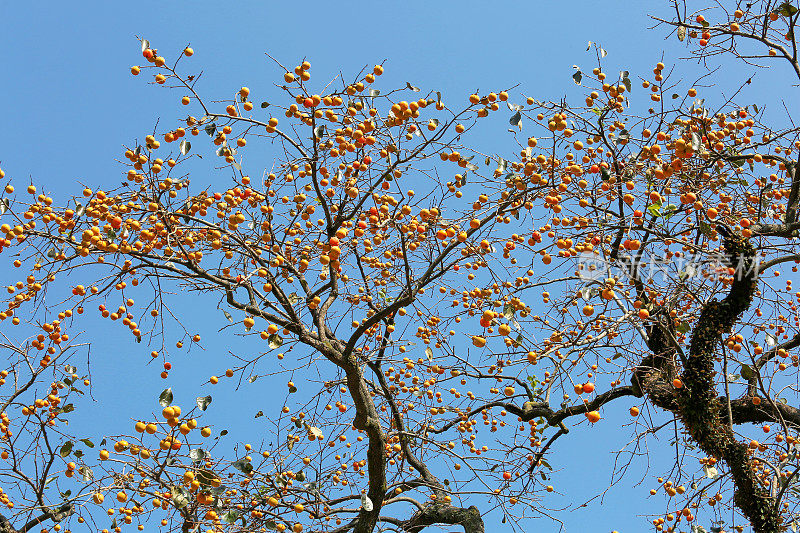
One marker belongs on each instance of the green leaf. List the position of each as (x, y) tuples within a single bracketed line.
[(243, 465), (88, 443), (626, 81), (787, 9), (179, 499), (165, 398), (230, 516), (211, 128), (203, 402), (577, 77), (654, 209), (669, 210), (518, 341), (738, 163), (66, 449), (705, 229), (747, 372), (271, 525), (205, 477)]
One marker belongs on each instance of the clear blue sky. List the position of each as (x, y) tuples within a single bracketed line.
[(68, 105)]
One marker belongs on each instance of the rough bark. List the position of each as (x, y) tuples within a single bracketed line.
[(697, 404), (468, 517), (5, 525)]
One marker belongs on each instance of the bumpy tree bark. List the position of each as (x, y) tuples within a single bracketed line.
[(697, 404), (469, 518), (56, 515), (5, 525)]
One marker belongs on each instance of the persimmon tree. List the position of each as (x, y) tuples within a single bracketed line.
[(466, 310)]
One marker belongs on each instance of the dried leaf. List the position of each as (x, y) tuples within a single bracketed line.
[(275, 341), (366, 503), (203, 402), (696, 142)]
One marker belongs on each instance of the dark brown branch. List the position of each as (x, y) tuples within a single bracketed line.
[(469, 518), (701, 409), (56, 515)]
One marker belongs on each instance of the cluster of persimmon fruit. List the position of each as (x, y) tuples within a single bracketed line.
[(668, 174)]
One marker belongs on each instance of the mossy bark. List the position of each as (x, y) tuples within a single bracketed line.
[(697, 403)]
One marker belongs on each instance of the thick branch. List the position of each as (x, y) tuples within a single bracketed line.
[(699, 407), (469, 518)]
